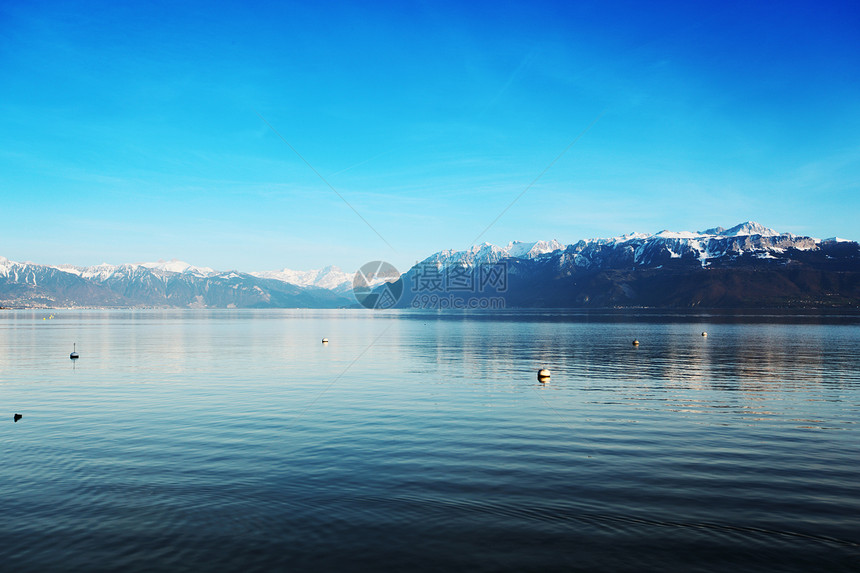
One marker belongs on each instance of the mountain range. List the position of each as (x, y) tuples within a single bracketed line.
[(747, 265), (164, 284)]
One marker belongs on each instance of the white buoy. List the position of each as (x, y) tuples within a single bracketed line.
[(704, 333), (635, 343), (74, 354), (543, 375), (325, 340)]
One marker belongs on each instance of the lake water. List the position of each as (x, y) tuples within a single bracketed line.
[(236, 441)]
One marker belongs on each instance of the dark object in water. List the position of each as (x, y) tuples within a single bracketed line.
[(74, 354), (17, 417)]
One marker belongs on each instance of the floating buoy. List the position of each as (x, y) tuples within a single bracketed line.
[(74, 354), (543, 375), (17, 417), (325, 340), (635, 343), (704, 333)]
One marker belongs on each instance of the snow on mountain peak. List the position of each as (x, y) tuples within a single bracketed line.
[(704, 245), (521, 250), (749, 228), (330, 277), (677, 235), (487, 253), (176, 266)]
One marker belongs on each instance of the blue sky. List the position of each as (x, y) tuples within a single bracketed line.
[(133, 133)]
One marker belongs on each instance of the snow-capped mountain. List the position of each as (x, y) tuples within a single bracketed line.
[(707, 247), (489, 254), (638, 248), (172, 284), (331, 278), (161, 269), (746, 265), (29, 284), (742, 230), (175, 266)]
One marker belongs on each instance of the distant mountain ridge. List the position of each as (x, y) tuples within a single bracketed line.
[(709, 244), (161, 284), (330, 277), (745, 265), (488, 253)]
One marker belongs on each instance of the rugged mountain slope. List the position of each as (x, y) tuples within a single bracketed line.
[(745, 266), (28, 284), (487, 253)]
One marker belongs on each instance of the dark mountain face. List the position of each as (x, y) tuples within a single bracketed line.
[(708, 288)]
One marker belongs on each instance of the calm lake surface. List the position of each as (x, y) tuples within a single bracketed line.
[(236, 441)]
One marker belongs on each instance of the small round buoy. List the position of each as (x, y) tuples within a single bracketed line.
[(17, 417), (543, 375), (325, 340), (635, 343), (704, 333)]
